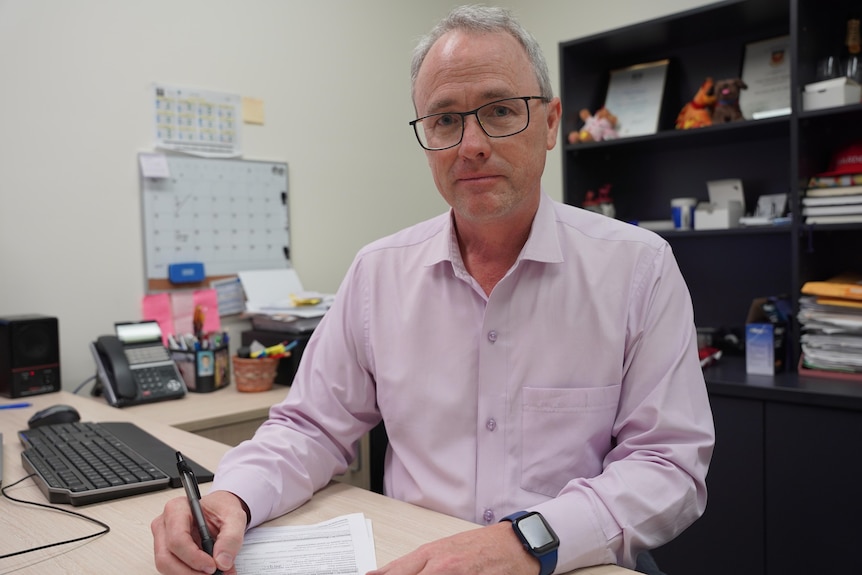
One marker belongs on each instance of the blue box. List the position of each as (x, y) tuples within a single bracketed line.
[(764, 342)]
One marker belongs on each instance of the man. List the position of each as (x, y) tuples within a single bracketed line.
[(524, 355)]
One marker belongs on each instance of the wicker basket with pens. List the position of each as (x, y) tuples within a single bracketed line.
[(254, 374), (255, 368)]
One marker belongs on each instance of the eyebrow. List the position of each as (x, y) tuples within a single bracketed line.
[(488, 96)]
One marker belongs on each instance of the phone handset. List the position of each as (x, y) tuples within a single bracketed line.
[(116, 367)]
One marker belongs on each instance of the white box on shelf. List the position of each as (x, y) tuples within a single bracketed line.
[(725, 206), (831, 93)]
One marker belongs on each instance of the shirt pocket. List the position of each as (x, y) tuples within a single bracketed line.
[(565, 434)]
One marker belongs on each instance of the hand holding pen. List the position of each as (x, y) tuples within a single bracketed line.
[(190, 484)]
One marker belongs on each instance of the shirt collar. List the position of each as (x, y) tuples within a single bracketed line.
[(543, 244)]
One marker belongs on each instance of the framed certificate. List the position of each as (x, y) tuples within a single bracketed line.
[(634, 97), (766, 72)]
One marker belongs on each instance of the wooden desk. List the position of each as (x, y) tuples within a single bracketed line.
[(230, 417), (398, 526), (225, 415)]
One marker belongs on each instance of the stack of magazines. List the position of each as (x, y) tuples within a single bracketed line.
[(833, 200), (830, 314)]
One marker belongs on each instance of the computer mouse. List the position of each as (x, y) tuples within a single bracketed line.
[(55, 414)]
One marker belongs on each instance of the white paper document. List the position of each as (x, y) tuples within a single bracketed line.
[(154, 166), (273, 292), (766, 72), (635, 96), (341, 546)]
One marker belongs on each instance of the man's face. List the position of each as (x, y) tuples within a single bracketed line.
[(485, 179)]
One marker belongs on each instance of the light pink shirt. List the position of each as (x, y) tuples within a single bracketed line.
[(573, 389)]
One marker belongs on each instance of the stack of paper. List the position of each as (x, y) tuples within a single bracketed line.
[(831, 318), (343, 545), (279, 291)]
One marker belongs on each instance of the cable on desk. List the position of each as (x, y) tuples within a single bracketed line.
[(105, 526), (83, 383)]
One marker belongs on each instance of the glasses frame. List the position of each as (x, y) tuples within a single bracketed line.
[(475, 112)]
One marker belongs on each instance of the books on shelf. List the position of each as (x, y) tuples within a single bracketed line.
[(848, 180), (833, 205), (832, 200), (833, 210), (837, 219)]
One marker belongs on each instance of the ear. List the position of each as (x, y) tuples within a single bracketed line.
[(554, 113)]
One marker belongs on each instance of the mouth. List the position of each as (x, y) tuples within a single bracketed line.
[(475, 178)]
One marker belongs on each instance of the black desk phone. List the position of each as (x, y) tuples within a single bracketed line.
[(134, 366)]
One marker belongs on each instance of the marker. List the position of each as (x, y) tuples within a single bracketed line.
[(15, 405)]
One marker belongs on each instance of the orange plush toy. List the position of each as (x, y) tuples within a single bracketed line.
[(698, 112)]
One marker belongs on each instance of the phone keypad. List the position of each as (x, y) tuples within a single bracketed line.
[(160, 380)]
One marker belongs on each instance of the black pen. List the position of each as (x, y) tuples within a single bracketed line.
[(190, 484)]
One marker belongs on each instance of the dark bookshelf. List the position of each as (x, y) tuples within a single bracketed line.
[(783, 463), (725, 269)]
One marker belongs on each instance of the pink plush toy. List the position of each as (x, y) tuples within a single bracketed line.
[(597, 127)]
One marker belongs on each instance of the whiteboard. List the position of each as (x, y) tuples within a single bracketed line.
[(230, 215)]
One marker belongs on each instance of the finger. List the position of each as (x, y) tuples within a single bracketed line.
[(166, 562), (228, 530), (177, 539)]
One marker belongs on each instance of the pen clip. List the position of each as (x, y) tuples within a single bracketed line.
[(187, 475)]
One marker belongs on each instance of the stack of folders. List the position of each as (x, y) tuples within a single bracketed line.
[(833, 200), (830, 314)]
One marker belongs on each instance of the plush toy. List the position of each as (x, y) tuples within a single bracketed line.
[(698, 112), (727, 105), (597, 127), (601, 203)]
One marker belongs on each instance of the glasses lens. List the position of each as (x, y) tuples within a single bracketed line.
[(440, 131), (504, 118)]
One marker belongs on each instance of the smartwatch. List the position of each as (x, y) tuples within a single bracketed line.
[(538, 538)]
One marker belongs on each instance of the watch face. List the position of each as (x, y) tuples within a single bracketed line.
[(536, 532)]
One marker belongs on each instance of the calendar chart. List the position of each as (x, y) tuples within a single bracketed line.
[(230, 215)]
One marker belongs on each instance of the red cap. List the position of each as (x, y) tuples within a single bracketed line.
[(846, 161)]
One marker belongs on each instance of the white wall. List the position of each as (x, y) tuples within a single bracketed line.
[(334, 78)]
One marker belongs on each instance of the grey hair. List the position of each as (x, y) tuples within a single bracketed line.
[(484, 19)]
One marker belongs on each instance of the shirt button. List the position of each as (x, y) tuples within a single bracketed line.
[(492, 336), (491, 424), (488, 515)]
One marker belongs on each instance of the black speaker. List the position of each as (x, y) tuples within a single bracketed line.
[(29, 355)]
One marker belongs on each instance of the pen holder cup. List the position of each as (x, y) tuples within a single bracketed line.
[(254, 374), (204, 370)]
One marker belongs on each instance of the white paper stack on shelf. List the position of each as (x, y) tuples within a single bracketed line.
[(280, 291), (831, 321)]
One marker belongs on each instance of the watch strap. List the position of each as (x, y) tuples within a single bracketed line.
[(547, 561)]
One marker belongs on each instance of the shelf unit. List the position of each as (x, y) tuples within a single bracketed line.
[(725, 269), (782, 468)]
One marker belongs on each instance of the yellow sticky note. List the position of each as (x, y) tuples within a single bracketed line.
[(252, 110)]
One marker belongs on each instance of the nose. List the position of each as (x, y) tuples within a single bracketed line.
[(475, 140)]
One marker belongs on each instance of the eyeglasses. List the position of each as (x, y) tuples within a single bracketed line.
[(497, 119)]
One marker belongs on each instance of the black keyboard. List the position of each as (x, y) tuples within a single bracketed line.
[(86, 462)]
